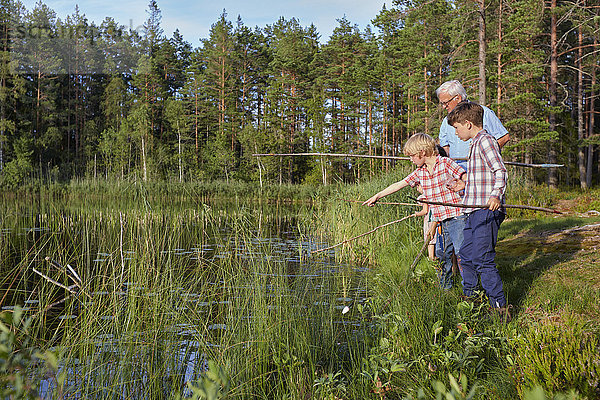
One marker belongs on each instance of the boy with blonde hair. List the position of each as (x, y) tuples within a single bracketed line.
[(432, 174), (485, 184)]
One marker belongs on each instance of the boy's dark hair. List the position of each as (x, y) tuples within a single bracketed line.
[(466, 111), (441, 151)]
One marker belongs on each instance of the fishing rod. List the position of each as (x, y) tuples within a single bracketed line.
[(363, 234), (384, 203), (519, 206), (330, 155), (518, 164), (428, 238)]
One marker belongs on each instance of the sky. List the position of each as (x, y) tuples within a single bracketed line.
[(194, 18)]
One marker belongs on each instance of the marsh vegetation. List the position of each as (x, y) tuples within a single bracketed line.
[(147, 293)]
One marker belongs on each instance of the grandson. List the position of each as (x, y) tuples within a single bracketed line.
[(485, 185), (431, 174)]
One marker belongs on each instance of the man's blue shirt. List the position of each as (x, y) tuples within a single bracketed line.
[(460, 149)]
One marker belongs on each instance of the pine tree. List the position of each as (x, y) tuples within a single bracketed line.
[(196, 103), (340, 59), (369, 81), (41, 62), (176, 117), (219, 72), (12, 85), (294, 48), (520, 103)]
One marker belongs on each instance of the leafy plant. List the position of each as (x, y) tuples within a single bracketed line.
[(330, 386), (21, 364), (214, 384), (456, 391), (558, 355)]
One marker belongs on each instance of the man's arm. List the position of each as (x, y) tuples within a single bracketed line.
[(423, 211), (493, 125), (503, 140)]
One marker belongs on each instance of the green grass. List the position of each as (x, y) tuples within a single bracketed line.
[(548, 276), (123, 193), (150, 322), (146, 321)]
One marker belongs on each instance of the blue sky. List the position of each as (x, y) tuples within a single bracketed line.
[(194, 18)]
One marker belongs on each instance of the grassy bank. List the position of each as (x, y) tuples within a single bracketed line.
[(550, 268)]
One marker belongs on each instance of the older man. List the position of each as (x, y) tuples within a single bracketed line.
[(450, 94)]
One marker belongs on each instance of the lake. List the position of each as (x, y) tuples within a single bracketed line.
[(138, 297)]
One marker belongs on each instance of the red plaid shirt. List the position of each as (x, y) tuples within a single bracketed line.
[(434, 186), (486, 176)]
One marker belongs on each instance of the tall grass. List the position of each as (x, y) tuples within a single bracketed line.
[(166, 291), (178, 296), (121, 192), (425, 335)]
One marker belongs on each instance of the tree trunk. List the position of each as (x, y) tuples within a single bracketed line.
[(482, 52), (196, 122), (552, 173), (384, 142), (179, 153), (591, 118), (580, 126), (370, 107), (144, 170), (499, 61), (426, 94)]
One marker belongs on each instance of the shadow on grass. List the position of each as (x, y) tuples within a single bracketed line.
[(528, 248)]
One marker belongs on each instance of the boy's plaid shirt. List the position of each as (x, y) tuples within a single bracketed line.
[(486, 173), (434, 186)]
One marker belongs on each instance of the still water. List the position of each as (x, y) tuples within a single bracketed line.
[(98, 277)]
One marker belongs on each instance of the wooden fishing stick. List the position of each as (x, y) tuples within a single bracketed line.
[(518, 164), (330, 155), (70, 289), (362, 234), (382, 202), (425, 244), (438, 203)]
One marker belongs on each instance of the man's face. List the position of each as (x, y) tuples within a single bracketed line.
[(463, 131), (449, 102)]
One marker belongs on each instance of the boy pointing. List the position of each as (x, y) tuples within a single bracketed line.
[(432, 173)]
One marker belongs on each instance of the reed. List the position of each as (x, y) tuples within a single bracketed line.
[(179, 297), (165, 291)]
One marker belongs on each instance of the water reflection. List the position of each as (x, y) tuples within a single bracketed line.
[(274, 239)]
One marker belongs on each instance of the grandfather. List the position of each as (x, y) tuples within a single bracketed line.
[(450, 94)]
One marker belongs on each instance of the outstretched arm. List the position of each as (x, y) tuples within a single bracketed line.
[(393, 188), (423, 211)]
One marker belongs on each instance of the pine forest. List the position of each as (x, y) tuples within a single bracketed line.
[(81, 99)]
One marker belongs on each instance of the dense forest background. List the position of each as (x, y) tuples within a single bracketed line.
[(80, 100)]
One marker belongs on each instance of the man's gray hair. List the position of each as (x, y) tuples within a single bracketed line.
[(452, 88)]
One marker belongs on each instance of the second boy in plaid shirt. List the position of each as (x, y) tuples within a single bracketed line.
[(432, 174), (485, 185)]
